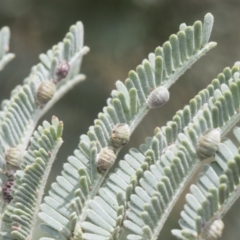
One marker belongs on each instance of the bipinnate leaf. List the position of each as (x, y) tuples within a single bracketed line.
[(166, 178), (60, 67), (216, 190), (164, 164), (48, 81), (20, 217), (127, 106)]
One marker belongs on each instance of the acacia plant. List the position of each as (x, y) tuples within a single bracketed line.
[(135, 200)]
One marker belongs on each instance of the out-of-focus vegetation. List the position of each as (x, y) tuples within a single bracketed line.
[(120, 34)]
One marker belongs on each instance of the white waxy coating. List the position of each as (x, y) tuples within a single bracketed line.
[(158, 97), (208, 143)]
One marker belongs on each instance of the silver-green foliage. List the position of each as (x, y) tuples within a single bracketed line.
[(167, 177), (5, 57), (29, 182), (20, 114), (127, 105), (152, 178), (84, 203), (216, 190)]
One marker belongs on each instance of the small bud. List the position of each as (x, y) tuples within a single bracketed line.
[(158, 97), (120, 135), (208, 143), (14, 155), (105, 159), (213, 231), (6, 190), (62, 70), (45, 92)]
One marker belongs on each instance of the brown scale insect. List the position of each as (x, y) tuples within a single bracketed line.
[(120, 135), (6, 190), (208, 143), (45, 92), (105, 159)]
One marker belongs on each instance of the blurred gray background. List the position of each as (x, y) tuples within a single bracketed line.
[(120, 35)]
